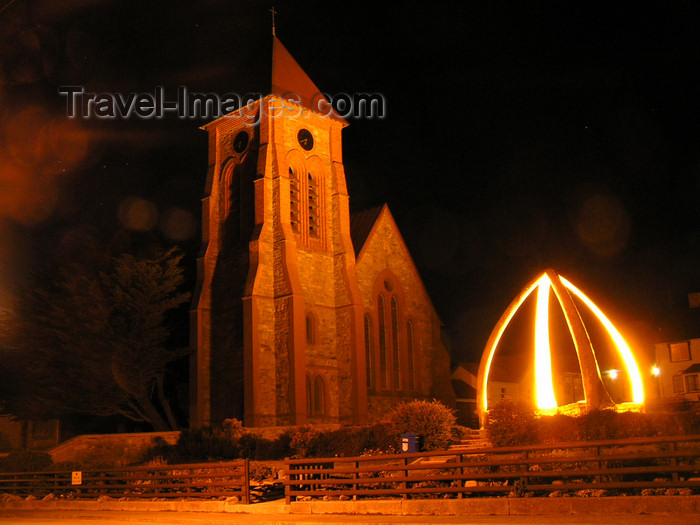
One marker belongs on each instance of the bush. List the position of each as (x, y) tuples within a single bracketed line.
[(4, 442), (557, 429), (511, 422), (25, 461), (302, 441), (432, 421), (260, 472), (600, 424), (202, 444)]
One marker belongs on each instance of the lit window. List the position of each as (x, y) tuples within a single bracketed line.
[(319, 396), (310, 329), (294, 202), (309, 402), (680, 351), (678, 384), (396, 362), (383, 369), (369, 354), (409, 350), (314, 220)]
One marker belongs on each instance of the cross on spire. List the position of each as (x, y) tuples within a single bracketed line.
[(273, 19)]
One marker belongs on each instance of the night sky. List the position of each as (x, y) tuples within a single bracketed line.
[(516, 138)]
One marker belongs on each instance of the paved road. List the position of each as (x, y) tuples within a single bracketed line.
[(24, 517)]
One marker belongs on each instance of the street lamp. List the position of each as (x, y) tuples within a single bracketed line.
[(656, 372)]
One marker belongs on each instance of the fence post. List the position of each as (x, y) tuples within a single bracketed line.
[(460, 459), (405, 483), (598, 464), (674, 460), (355, 476), (245, 497), (288, 482)]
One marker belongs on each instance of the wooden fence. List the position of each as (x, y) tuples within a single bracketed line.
[(203, 480), (627, 465)]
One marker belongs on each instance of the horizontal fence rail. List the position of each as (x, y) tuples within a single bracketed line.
[(632, 464), (202, 480)]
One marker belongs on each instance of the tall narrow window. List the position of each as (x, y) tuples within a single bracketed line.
[(309, 401), (395, 361), (369, 354), (319, 396), (383, 369), (310, 329), (294, 202), (409, 351), (314, 220)]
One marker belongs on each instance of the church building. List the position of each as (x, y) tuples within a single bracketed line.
[(303, 312)]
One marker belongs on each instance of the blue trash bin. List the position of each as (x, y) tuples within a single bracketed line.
[(409, 443)]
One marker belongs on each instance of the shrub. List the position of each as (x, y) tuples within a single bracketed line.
[(4, 442), (302, 439), (261, 472), (511, 422), (599, 424), (432, 421), (459, 432), (25, 461), (233, 427), (557, 428), (202, 444)]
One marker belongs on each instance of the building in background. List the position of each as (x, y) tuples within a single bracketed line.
[(676, 371)]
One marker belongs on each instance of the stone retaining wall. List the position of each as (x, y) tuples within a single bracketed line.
[(100, 449)]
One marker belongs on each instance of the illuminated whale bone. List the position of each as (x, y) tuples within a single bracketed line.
[(596, 395)]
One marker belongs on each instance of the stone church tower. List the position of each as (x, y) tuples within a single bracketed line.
[(295, 318)]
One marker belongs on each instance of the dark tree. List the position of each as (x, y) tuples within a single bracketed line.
[(95, 343)]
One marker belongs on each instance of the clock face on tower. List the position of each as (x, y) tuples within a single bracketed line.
[(240, 143), (306, 139)]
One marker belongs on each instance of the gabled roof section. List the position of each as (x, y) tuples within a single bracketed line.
[(366, 224), (361, 224), (692, 369), (463, 390)]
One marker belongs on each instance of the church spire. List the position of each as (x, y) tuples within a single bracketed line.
[(273, 19), (291, 82)]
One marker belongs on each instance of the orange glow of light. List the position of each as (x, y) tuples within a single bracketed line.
[(494, 339), (543, 354), (543, 362), (625, 352)]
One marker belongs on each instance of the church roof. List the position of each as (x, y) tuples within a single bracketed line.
[(361, 224), (291, 82), (288, 78), (463, 390)]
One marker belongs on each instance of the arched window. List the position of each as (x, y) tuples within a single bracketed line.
[(383, 369), (294, 201), (309, 402), (409, 351), (314, 221), (319, 396), (395, 358), (369, 354), (310, 329)]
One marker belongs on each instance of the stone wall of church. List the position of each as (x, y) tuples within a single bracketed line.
[(385, 257)]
